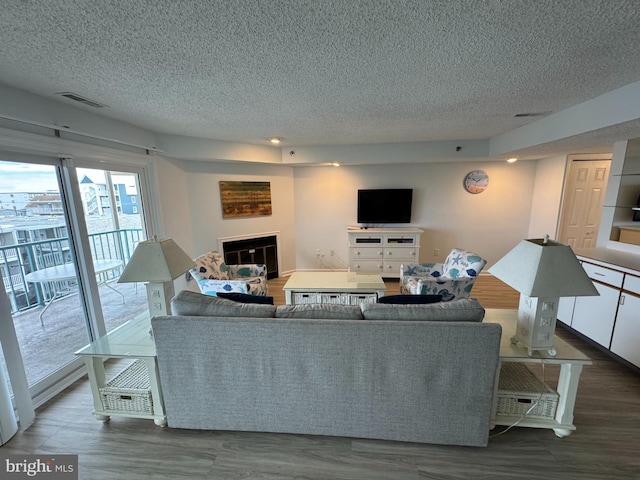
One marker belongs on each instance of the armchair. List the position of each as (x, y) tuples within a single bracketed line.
[(452, 279), (213, 276)]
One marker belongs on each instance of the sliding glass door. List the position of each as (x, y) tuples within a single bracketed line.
[(38, 271), (115, 223), (66, 234)]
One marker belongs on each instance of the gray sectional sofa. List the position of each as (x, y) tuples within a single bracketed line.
[(415, 373)]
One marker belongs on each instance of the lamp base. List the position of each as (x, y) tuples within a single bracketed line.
[(159, 296), (536, 323)]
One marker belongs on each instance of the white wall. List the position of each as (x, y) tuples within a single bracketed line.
[(64, 115), (547, 197), (312, 207), (611, 108), (191, 207), (192, 148), (172, 193), (490, 223)]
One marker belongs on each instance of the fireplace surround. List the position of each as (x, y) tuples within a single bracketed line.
[(256, 248)]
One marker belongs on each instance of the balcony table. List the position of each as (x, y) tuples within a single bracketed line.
[(65, 272)]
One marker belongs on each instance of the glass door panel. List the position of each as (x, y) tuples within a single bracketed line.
[(38, 270), (115, 225)]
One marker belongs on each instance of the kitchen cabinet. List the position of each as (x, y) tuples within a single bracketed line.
[(626, 337), (610, 320), (594, 316)]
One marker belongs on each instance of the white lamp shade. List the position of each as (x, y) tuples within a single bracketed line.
[(156, 260), (543, 268)]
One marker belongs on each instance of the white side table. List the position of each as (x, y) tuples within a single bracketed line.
[(570, 359), (130, 340)]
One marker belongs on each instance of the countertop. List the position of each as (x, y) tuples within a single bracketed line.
[(628, 262)]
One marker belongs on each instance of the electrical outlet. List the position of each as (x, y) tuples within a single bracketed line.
[(436, 252), (332, 253), (317, 252)]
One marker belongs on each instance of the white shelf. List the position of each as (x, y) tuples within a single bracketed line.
[(507, 420)]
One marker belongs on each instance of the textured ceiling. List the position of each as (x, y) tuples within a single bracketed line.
[(319, 72)]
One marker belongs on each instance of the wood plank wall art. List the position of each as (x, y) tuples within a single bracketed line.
[(245, 199)]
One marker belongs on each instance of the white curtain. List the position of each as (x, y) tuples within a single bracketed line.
[(15, 368)]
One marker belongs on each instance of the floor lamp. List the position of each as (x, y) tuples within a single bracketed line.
[(542, 271), (157, 262)]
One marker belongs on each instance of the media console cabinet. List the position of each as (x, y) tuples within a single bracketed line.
[(383, 250)]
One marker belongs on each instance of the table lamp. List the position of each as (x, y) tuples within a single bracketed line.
[(542, 271), (157, 262)]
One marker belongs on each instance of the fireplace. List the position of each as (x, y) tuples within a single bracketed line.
[(262, 249)]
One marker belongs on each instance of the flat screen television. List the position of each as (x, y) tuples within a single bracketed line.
[(388, 205)]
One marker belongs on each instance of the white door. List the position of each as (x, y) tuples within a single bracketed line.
[(582, 205)]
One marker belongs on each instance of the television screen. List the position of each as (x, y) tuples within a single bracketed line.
[(390, 205)]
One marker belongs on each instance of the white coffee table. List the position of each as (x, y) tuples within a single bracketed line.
[(346, 288)]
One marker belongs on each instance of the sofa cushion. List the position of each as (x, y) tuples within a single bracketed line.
[(246, 298), (463, 310), (318, 311), (410, 299), (190, 303)]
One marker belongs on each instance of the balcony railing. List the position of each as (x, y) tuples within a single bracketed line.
[(18, 260)]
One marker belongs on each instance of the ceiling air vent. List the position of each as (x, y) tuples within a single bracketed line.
[(532, 114), (77, 98)]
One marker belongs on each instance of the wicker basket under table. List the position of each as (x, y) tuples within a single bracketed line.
[(129, 391), (300, 298), (520, 391)]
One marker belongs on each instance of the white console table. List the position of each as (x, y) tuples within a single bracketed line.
[(383, 250)]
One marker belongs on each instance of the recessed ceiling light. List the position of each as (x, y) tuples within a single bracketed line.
[(512, 160), (275, 140)]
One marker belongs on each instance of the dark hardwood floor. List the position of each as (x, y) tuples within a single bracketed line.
[(606, 444)]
